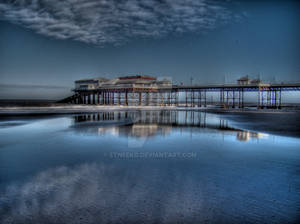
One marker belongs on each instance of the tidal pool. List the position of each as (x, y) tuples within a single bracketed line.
[(145, 167)]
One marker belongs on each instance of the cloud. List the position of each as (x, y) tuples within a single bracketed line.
[(115, 21), (98, 193)]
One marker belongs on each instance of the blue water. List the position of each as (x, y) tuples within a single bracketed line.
[(145, 167)]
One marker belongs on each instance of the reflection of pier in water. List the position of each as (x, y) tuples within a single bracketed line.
[(144, 124)]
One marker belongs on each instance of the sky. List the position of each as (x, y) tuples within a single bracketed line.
[(46, 45)]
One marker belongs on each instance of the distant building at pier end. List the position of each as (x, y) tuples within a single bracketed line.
[(245, 80)]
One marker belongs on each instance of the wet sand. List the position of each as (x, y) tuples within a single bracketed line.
[(277, 123)]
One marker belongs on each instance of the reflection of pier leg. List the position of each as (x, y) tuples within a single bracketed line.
[(204, 120)]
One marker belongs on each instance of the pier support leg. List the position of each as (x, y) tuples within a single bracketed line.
[(200, 98), (233, 99), (186, 98), (89, 98), (140, 98), (205, 100), (193, 97), (221, 97), (108, 98), (275, 99), (162, 99), (126, 98), (279, 106), (258, 98), (133, 101), (239, 99), (242, 98), (227, 98), (94, 98), (147, 98)]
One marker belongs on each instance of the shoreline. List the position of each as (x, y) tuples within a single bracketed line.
[(71, 109), (281, 122)]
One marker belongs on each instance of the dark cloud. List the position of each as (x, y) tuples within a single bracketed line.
[(115, 21)]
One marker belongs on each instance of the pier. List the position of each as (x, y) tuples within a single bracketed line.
[(148, 91)]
